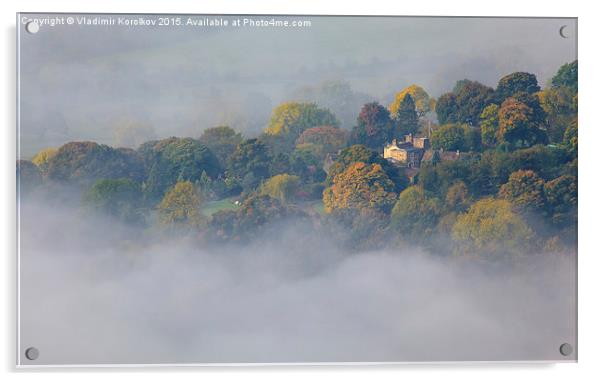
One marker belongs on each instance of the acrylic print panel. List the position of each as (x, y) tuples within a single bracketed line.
[(296, 189)]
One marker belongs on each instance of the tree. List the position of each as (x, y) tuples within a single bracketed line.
[(250, 160), (570, 139), (360, 153), (455, 137), (42, 158), (567, 76), (283, 187), (525, 189), (447, 108), (327, 139), (489, 125), (85, 162), (29, 177), (405, 119), (306, 162), (181, 206), (222, 141), (292, 118), (171, 160), (118, 198), (360, 186), (561, 195), (256, 214), (457, 198), (491, 229), (471, 98), (516, 82), (558, 105), (518, 125), (374, 126), (415, 214), (423, 102)]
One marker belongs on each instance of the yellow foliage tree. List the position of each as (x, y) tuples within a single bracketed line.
[(282, 187), (492, 229), (42, 158), (360, 186), (424, 103), (181, 205)]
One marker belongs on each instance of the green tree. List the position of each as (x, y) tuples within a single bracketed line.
[(171, 160), (85, 162), (447, 109), (374, 126), (405, 119), (489, 125), (250, 160), (472, 97), (491, 229), (283, 187), (222, 141), (415, 214), (525, 190), (118, 198), (360, 186), (29, 177), (567, 76), (456, 137), (457, 198), (561, 195), (516, 82), (570, 140), (181, 206), (557, 103)]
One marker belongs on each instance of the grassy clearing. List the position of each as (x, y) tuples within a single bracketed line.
[(212, 207)]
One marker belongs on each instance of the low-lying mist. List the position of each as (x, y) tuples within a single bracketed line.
[(95, 291)]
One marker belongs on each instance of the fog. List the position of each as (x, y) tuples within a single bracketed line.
[(80, 83), (94, 291)]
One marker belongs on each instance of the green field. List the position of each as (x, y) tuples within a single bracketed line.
[(211, 207)]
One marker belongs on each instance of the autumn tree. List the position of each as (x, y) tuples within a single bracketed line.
[(282, 187), (173, 160), (181, 206), (222, 141), (525, 189), (516, 82), (360, 186), (118, 198), (491, 229), (489, 125), (518, 124), (457, 198), (374, 126), (415, 214), (423, 102), (42, 158), (558, 105), (405, 118)]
